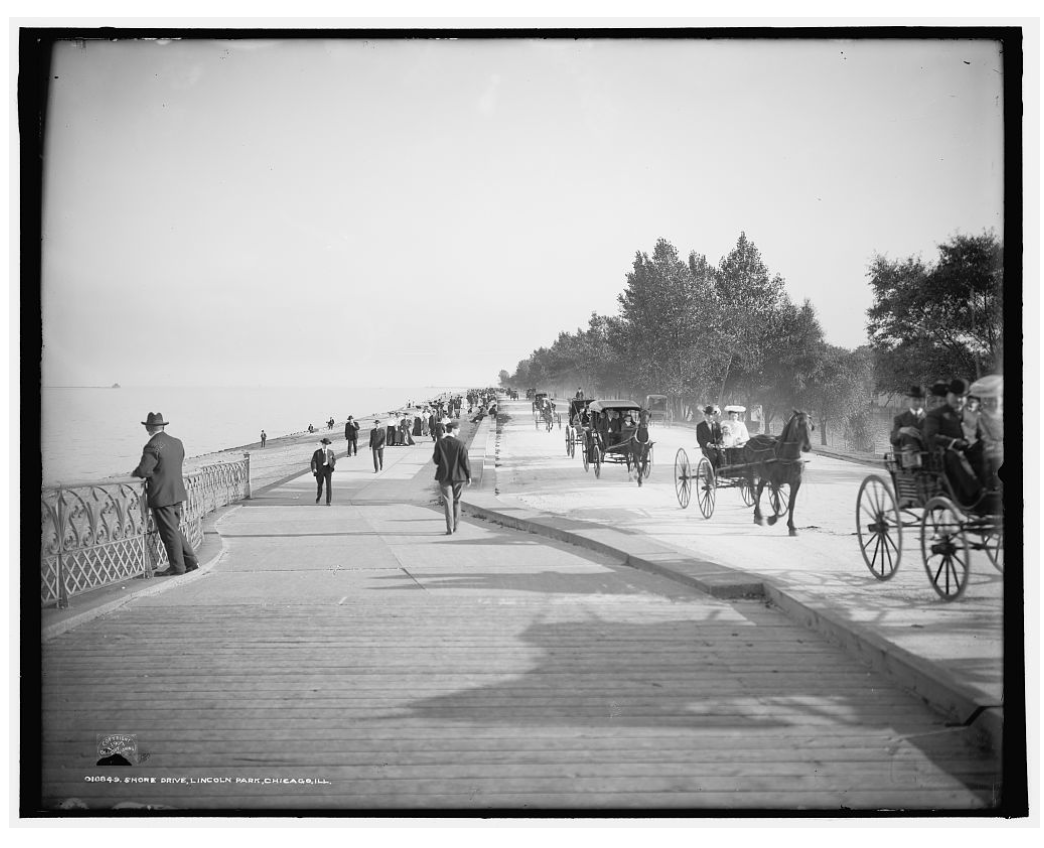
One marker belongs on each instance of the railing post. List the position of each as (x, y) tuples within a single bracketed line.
[(147, 569), (63, 593), (246, 457)]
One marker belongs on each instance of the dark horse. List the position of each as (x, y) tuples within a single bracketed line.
[(777, 462)]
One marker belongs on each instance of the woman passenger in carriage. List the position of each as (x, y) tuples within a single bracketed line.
[(733, 432)]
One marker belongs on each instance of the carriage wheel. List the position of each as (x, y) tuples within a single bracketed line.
[(648, 462), (585, 454), (944, 548), (536, 422), (706, 492), (779, 499), (879, 528), (596, 456), (569, 442), (682, 477), (746, 493), (993, 544)]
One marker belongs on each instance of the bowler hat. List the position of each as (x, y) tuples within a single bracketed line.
[(154, 419), (915, 392), (958, 386), (710, 410), (325, 441), (939, 388)]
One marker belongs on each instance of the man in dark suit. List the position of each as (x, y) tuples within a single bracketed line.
[(943, 432), (452, 471), (351, 435), (160, 466), (323, 462), (708, 435), (378, 437), (912, 417)]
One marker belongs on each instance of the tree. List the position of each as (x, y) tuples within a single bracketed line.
[(936, 322), (748, 299)]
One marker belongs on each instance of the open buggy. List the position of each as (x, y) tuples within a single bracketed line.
[(619, 434), (919, 497)]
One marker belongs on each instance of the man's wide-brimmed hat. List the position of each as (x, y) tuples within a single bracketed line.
[(958, 386), (939, 388), (710, 409), (154, 419), (915, 392), (325, 441)]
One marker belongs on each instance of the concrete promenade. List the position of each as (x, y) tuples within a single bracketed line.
[(356, 658)]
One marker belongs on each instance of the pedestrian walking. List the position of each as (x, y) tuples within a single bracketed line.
[(351, 435), (160, 466), (323, 461), (378, 437), (452, 471)]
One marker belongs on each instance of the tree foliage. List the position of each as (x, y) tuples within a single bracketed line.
[(931, 322)]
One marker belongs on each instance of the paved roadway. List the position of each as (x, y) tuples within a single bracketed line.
[(354, 657)]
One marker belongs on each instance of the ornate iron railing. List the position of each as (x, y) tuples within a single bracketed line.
[(96, 534)]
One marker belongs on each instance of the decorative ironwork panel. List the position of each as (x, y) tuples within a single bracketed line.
[(100, 533)]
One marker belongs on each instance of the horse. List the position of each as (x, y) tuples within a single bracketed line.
[(777, 462)]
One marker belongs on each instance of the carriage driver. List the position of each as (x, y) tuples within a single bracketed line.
[(708, 435), (733, 432)]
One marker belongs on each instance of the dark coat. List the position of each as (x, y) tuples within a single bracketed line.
[(317, 460), (906, 418), (378, 437), (160, 465), (451, 460), (707, 434), (942, 427)]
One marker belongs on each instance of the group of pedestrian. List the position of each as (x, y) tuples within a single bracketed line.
[(162, 461)]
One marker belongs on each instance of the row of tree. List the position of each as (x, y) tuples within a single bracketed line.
[(701, 333)]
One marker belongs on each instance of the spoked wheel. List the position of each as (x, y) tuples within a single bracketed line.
[(993, 544), (536, 421), (745, 492), (569, 442), (682, 477), (706, 484), (596, 456), (879, 528), (779, 499), (944, 548), (647, 461)]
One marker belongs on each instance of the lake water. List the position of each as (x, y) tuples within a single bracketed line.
[(88, 434)]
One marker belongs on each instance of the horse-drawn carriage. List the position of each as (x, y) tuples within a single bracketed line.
[(619, 433), (921, 498), (764, 461), (575, 437)]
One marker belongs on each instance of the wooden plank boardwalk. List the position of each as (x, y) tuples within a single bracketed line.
[(483, 671)]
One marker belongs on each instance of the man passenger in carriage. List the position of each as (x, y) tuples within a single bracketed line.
[(708, 435), (943, 432), (615, 427), (907, 429)]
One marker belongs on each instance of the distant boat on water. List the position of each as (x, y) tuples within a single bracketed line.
[(115, 385)]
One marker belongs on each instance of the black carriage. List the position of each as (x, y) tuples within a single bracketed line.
[(625, 443), (919, 497), (575, 436), (658, 408)]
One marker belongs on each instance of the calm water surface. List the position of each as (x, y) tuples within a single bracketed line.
[(100, 433)]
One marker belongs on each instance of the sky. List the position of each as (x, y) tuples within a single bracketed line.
[(430, 211)]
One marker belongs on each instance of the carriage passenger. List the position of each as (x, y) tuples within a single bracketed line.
[(943, 432), (734, 433), (907, 429), (615, 427), (708, 435)]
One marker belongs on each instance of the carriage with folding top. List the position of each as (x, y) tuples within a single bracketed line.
[(619, 434)]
